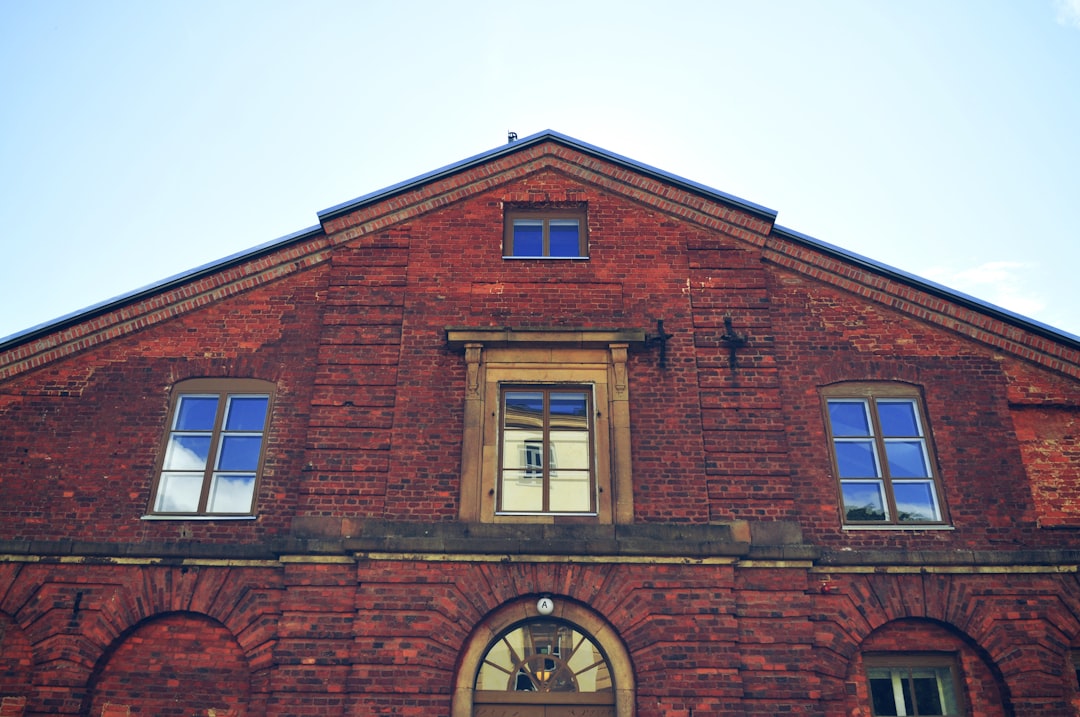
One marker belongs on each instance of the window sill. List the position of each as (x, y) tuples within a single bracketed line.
[(548, 258), (198, 517), (898, 527)]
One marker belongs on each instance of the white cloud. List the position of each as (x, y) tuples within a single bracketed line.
[(1068, 13), (1002, 283)]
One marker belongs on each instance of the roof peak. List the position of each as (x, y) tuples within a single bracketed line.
[(549, 135)]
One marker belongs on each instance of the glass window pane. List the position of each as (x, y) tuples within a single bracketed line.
[(563, 237), (528, 237), (246, 413), (196, 413), (863, 501), (898, 418), (239, 453), (881, 694), (916, 501), (927, 697), (947, 691), (520, 493), (857, 459), (907, 459), (569, 410), (849, 418), (231, 494), (522, 449), (570, 449), (523, 409), (179, 493), (570, 492), (187, 453)]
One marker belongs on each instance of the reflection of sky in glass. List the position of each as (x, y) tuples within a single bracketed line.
[(898, 418), (907, 459), (188, 450), (231, 494), (528, 237), (915, 501), (187, 453), (849, 418), (856, 459), (179, 493), (563, 237), (569, 411), (196, 413), (246, 413), (524, 409), (239, 453), (865, 496), (568, 404)]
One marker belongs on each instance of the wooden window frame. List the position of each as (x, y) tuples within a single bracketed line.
[(871, 393), (514, 357), (223, 390), (1074, 663), (546, 215), (541, 471), (901, 661)]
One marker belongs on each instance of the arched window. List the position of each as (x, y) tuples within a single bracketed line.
[(520, 662), (544, 656)]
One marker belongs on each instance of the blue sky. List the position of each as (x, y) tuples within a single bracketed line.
[(139, 140)]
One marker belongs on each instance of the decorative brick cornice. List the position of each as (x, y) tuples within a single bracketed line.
[(922, 304), (153, 308), (608, 177)]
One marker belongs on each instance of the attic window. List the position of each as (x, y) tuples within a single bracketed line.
[(545, 233)]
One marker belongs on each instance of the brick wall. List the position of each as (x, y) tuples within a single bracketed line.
[(102, 612)]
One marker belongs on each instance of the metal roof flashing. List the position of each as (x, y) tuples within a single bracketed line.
[(709, 193), (931, 287), (549, 136), (156, 288)]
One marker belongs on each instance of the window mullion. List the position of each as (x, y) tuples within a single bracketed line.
[(883, 461), (898, 693), (212, 455), (545, 443)]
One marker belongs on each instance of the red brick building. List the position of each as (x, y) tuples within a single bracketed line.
[(545, 432)]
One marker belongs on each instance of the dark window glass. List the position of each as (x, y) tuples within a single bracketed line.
[(544, 233)]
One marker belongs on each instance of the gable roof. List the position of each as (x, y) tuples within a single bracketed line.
[(968, 315), (557, 138)]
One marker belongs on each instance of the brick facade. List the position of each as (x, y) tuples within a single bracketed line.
[(357, 589)]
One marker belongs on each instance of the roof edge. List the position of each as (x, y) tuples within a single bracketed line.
[(943, 292), (173, 281), (548, 136)]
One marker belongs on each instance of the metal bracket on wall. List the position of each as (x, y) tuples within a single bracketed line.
[(733, 341), (659, 338)]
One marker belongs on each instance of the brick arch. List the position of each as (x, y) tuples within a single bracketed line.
[(16, 663), (984, 688), (859, 370), (243, 602), (172, 665), (524, 609)]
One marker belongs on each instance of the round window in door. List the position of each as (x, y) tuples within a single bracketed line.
[(544, 663)]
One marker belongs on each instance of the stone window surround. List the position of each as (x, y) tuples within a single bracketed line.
[(545, 356)]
